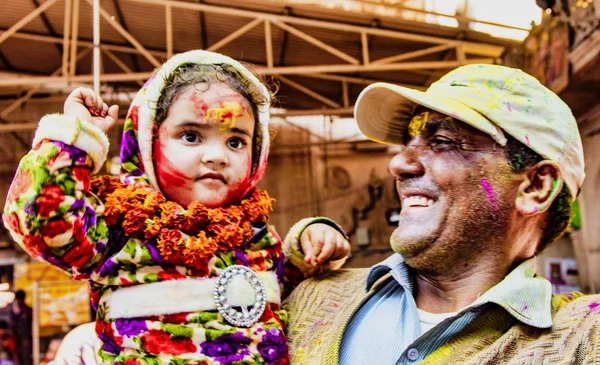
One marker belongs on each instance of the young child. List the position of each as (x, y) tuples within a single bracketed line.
[(182, 265)]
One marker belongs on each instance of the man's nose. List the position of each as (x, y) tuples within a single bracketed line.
[(214, 154), (407, 163)]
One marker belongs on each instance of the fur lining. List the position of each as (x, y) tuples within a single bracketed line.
[(184, 295), (75, 132)]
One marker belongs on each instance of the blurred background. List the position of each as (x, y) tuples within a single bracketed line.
[(319, 55)]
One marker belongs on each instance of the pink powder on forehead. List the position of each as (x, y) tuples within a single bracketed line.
[(487, 187), (199, 104)]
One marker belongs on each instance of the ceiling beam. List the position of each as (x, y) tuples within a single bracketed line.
[(26, 19), (480, 49)]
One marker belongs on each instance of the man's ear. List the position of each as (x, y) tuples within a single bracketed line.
[(540, 187)]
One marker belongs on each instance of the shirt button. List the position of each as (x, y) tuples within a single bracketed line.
[(412, 354)]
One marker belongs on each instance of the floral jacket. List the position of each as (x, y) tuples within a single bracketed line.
[(150, 309)]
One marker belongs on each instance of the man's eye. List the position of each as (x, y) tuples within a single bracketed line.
[(443, 144), (190, 137), (236, 143)]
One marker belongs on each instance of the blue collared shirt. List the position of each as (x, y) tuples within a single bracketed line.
[(386, 330)]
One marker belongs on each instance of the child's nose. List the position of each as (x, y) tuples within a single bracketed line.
[(214, 154)]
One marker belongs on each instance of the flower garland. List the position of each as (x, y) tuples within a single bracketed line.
[(185, 237)]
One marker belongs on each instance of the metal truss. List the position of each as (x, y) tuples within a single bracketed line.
[(461, 52)]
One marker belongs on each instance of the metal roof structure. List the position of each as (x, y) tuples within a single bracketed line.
[(318, 58)]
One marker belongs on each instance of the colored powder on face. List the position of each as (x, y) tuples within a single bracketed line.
[(487, 187), (235, 190), (417, 124), (226, 115), (594, 305), (199, 104), (166, 171)]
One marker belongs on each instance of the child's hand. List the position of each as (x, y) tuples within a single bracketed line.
[(87, 105), (322, 243)]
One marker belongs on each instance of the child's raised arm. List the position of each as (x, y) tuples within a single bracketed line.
[(49, 210)]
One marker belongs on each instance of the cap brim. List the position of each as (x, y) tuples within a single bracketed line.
[(383, 112)]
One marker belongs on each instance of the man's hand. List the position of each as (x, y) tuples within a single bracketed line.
[(87, 105), (322, 243)]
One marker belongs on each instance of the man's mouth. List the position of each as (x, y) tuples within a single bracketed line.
[(416, 201)]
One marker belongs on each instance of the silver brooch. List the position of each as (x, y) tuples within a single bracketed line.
[(244, 317)]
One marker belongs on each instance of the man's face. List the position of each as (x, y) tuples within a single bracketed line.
[(457, 193)]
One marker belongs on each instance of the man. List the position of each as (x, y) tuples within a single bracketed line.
[(490, 165), (21, 320)]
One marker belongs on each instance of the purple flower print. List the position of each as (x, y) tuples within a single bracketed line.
[(129, 145), (227, 348), (273, 346), (130, 326)]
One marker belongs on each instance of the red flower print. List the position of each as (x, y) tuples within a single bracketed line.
[(78, 231), (126, 282), (160, 342), (133, 114), (19, 186), (170, 275), (132, 362), (35, 245), (177, 318), (80, 254), (49, 200), (55, 227), (82, 174), (12, 222)]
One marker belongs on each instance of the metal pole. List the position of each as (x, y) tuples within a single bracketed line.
[(96, 20)]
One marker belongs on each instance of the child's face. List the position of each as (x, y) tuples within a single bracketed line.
[(204, 147)]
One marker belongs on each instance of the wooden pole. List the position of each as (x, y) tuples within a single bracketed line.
[(66, 34), (309, 92), (169, 29), (119, 28), (119, 63), (269, 44), (287, 70), (414, 54), (364, 42), (26, 19), (236, 34), (96, 65), (345, 94), (317, 43), (74, 36), (12, 107), (481, 49)]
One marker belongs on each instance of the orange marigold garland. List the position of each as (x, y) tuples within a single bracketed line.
[(185, 237)]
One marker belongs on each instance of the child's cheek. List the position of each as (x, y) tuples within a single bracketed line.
[(167, 172), (237, 188)]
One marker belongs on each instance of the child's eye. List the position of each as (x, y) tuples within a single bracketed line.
[(190, 137), (236, 143)]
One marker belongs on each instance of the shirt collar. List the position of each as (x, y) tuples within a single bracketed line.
[(522, 293)]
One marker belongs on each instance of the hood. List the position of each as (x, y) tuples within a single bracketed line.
[(137, 164)]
